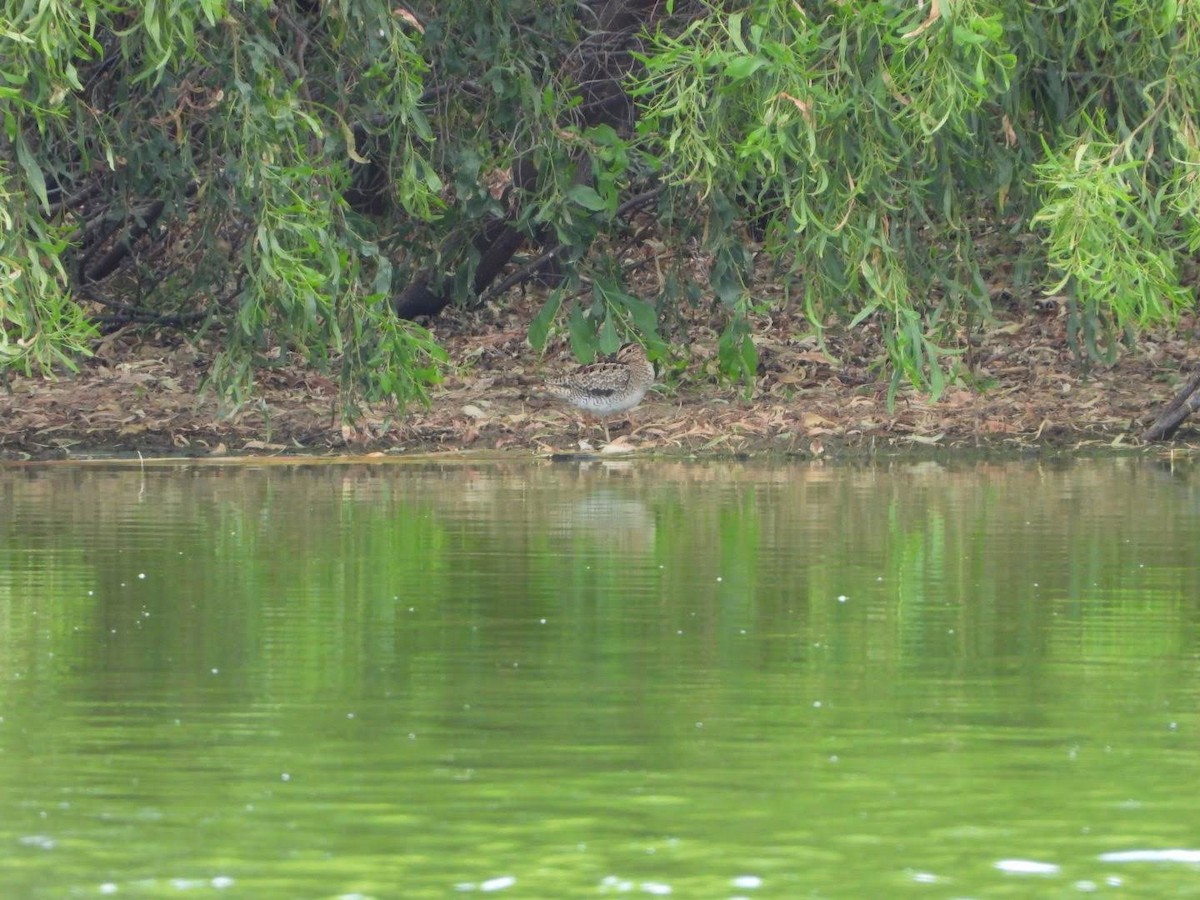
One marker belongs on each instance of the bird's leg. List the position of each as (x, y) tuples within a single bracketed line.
[(594, 420), (588, 421)]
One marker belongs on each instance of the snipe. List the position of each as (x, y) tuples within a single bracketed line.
[(607, 388)]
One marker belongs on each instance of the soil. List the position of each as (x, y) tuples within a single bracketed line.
[(1019, 389)]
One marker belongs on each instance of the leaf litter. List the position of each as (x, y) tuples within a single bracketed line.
[(1022, 390)]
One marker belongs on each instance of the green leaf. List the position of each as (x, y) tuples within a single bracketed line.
[(586, 196), (33, 172), (539, 328), (645, 317), (749, 358), (741, 67), (583, 339), (735, 31), (610, 341)]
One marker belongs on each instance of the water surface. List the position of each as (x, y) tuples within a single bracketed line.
[(554, 681)]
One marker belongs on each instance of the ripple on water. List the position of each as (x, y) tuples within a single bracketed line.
[(1027, 867), (611, 883), (220, 882), (924, 877), (1190, 857), (503, 882)]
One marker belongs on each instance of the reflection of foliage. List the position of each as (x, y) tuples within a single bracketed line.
[(527, 658), (305, 575)]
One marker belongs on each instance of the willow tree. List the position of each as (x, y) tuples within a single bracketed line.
[(309, 175), (881, 140), (186, 165)]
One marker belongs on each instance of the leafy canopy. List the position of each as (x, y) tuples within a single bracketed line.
[(284, 174)]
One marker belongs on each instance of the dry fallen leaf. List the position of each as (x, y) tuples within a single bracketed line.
[(620, 444), (408, 17)]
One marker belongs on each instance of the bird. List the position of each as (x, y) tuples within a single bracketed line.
[(605, 388)]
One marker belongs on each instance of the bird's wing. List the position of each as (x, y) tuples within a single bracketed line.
[(606, 379)]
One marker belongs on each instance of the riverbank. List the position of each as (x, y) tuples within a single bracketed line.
[(1021, 390)]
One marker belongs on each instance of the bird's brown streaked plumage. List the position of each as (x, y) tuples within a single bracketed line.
[(606, 388)]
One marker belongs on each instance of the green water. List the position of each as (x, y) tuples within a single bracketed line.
[(553, 681)]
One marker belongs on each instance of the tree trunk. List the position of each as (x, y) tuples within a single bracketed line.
[(1186, 402), (612, 28)]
